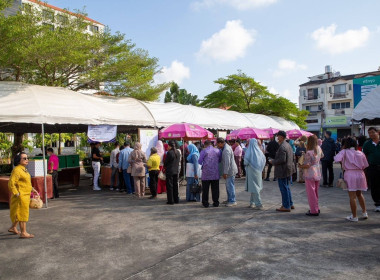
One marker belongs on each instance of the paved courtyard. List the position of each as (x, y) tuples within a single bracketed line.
[(109, 235)]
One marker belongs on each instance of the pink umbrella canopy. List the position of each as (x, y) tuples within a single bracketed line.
[(247, 133), (185, 131), (271, 131), (297, 133)]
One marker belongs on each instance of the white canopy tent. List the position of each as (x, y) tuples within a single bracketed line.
[(32, 104), (369, 107), (22, 106), (166, 114)]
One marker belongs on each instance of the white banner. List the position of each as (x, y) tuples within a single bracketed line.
[(148, 139), (102, 133)]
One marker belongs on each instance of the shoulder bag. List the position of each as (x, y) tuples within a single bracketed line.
[(341, 183)]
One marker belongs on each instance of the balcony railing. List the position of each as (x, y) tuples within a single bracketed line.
[(340, 112), (339, 95), (313, 113)]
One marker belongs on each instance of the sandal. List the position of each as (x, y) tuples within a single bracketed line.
[(26, 236), (13, 231)]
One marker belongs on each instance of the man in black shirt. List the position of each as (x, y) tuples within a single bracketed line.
[(96, 158), (329, 151), (270, 152)]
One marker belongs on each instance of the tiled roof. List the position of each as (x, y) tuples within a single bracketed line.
[(345, 77), (62, 10)]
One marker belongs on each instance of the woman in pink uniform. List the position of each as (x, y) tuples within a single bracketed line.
[(353, 164), (312, 174)]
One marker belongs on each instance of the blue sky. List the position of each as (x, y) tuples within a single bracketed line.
[(278, 42)]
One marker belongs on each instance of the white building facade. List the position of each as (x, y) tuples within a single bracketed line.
[(52, 15), (329, 98)]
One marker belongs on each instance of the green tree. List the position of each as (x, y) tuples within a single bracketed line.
[(238, 92), (180, 96), (61, 53), (241, 93)]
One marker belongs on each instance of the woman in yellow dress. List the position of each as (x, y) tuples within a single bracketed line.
[(20, 186)]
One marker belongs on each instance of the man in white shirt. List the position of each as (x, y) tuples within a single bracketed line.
[(114, 166)]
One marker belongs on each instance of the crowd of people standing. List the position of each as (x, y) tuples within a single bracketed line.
[(360, 162)]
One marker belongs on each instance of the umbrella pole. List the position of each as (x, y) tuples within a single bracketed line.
[(44, 164)]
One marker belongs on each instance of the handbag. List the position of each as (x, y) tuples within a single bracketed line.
[(196, 187), (162, 176), (35, 201), (341, 183)]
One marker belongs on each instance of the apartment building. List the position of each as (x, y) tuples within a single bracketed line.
[(52, 15), (330, 99)]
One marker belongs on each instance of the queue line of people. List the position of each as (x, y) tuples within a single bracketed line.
[(353, 163)]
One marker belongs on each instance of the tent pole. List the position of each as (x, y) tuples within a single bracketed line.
[(184, 159), (44, 165)]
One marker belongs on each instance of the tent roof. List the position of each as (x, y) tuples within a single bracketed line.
[(24, 107), (33, 104), (369, 107)]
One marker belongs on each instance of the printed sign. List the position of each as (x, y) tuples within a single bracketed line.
[(148, 139), (363, 86), (102, 133), (331, 121)]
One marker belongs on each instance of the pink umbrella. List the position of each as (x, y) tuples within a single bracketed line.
[(247, 133), (186, 131), (271, 131), (297, 133)]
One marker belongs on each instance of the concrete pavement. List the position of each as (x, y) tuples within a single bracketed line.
[(109, 235)]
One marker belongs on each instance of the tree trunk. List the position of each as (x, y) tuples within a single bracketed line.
[(17, 144)]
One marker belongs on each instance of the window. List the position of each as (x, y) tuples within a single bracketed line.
[(342, 105), (330, 90), (304, 92), (312, 108), (322, 90), (27, 7), (51, 26), (48, 15), (62, 19), (311, 121), (349, 87), (340, 88), (312, 93), (93, 28)]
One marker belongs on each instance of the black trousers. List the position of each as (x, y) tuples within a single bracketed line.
[(327, 165), (269, 169), (121, 181), (153, 180), (55, 183), (214, 192), (172, 188), (374, 178)]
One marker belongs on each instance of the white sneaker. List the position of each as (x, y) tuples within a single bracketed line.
[(111, 189), (97, 189), (352, 219), (117, 189), (257, 207), (230, 204), (365, 215), (377, 209)]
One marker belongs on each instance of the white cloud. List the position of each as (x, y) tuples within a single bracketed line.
[(176, 72), (286, 66), (228, 44), (237, 4), (293, 97), (336, 43)]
